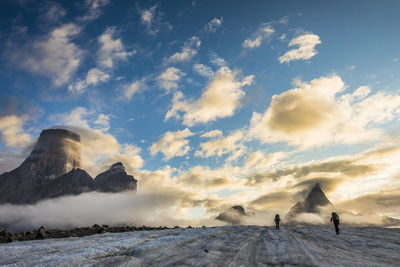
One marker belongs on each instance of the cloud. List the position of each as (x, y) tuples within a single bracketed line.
[(111, 49), (217, 61), (220, 145), (94, 9), (54, 55), (219, 100), (189, 50), (264, 32), (213, 25), (306, 50), (54, 12), (12, 131), (169, 78), (212, 134), (172, 144), (93, 77), (395, 59), (313, 115), (153, 20), (259, 161), (103, 122), (134, 88), (203, 70)]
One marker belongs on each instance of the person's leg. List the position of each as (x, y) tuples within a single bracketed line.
[(336, 228)]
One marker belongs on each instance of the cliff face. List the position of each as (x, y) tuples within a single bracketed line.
[(56, 152), (52, 170)]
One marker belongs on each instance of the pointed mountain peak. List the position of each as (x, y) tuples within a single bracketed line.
[(315, 198)]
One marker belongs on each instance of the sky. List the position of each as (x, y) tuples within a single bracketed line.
[(213, 103)]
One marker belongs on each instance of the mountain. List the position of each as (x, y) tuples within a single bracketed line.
[(233, 215), (53, 169), (314, 200), (115, 180)]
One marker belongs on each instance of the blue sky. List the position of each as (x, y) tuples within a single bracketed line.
[(213, 98)]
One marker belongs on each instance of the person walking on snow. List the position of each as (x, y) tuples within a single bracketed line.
[(277, 220), (335, 220)]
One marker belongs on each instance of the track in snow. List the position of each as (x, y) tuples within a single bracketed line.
[(226, 246)]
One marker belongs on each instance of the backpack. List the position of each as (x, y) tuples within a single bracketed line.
[(335, 217)]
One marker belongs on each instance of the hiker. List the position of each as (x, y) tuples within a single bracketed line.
[(277, 220), (335, 220)]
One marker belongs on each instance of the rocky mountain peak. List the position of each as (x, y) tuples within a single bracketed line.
[(316, 198), (56, 152)]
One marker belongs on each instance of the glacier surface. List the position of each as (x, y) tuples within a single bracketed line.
[(214, 246)]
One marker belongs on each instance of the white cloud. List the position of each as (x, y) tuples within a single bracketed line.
[(220, 145), (134, 87), (102, 122), (12, 132), (93, 77), (111, 49), (54, 55), (313, 115), (219, 100), (263, 33), (212, 134), (395, 59), (153, 20), (189, 50), (213, 25), (54, 13), (172, 144), (94, 9), (306, 43), (169, 79), (260, 161), (203, 70), (77, 117), (217, 61)]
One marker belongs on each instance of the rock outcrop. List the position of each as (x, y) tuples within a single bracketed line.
[(53, 170)]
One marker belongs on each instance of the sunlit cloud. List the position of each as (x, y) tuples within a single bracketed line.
[(314, 114), (153, 20), (213, 25), (264, 32), (306, 49), (172, 144), (220, 99), (53, 55), (189, 50)]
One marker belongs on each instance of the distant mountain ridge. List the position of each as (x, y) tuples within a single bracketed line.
[(53, 169)]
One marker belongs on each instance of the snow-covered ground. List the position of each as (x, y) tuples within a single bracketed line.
[(215, 246)]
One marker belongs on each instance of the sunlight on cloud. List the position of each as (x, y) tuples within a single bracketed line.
[(169, 78), (54, 55), (213, 25), (306, 43), (219, 100), (111, 49), (153, 20), (189, 50), (264, 32), (220, 145), (172, 144), (93, 77), (313, 115), (12, 132)]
